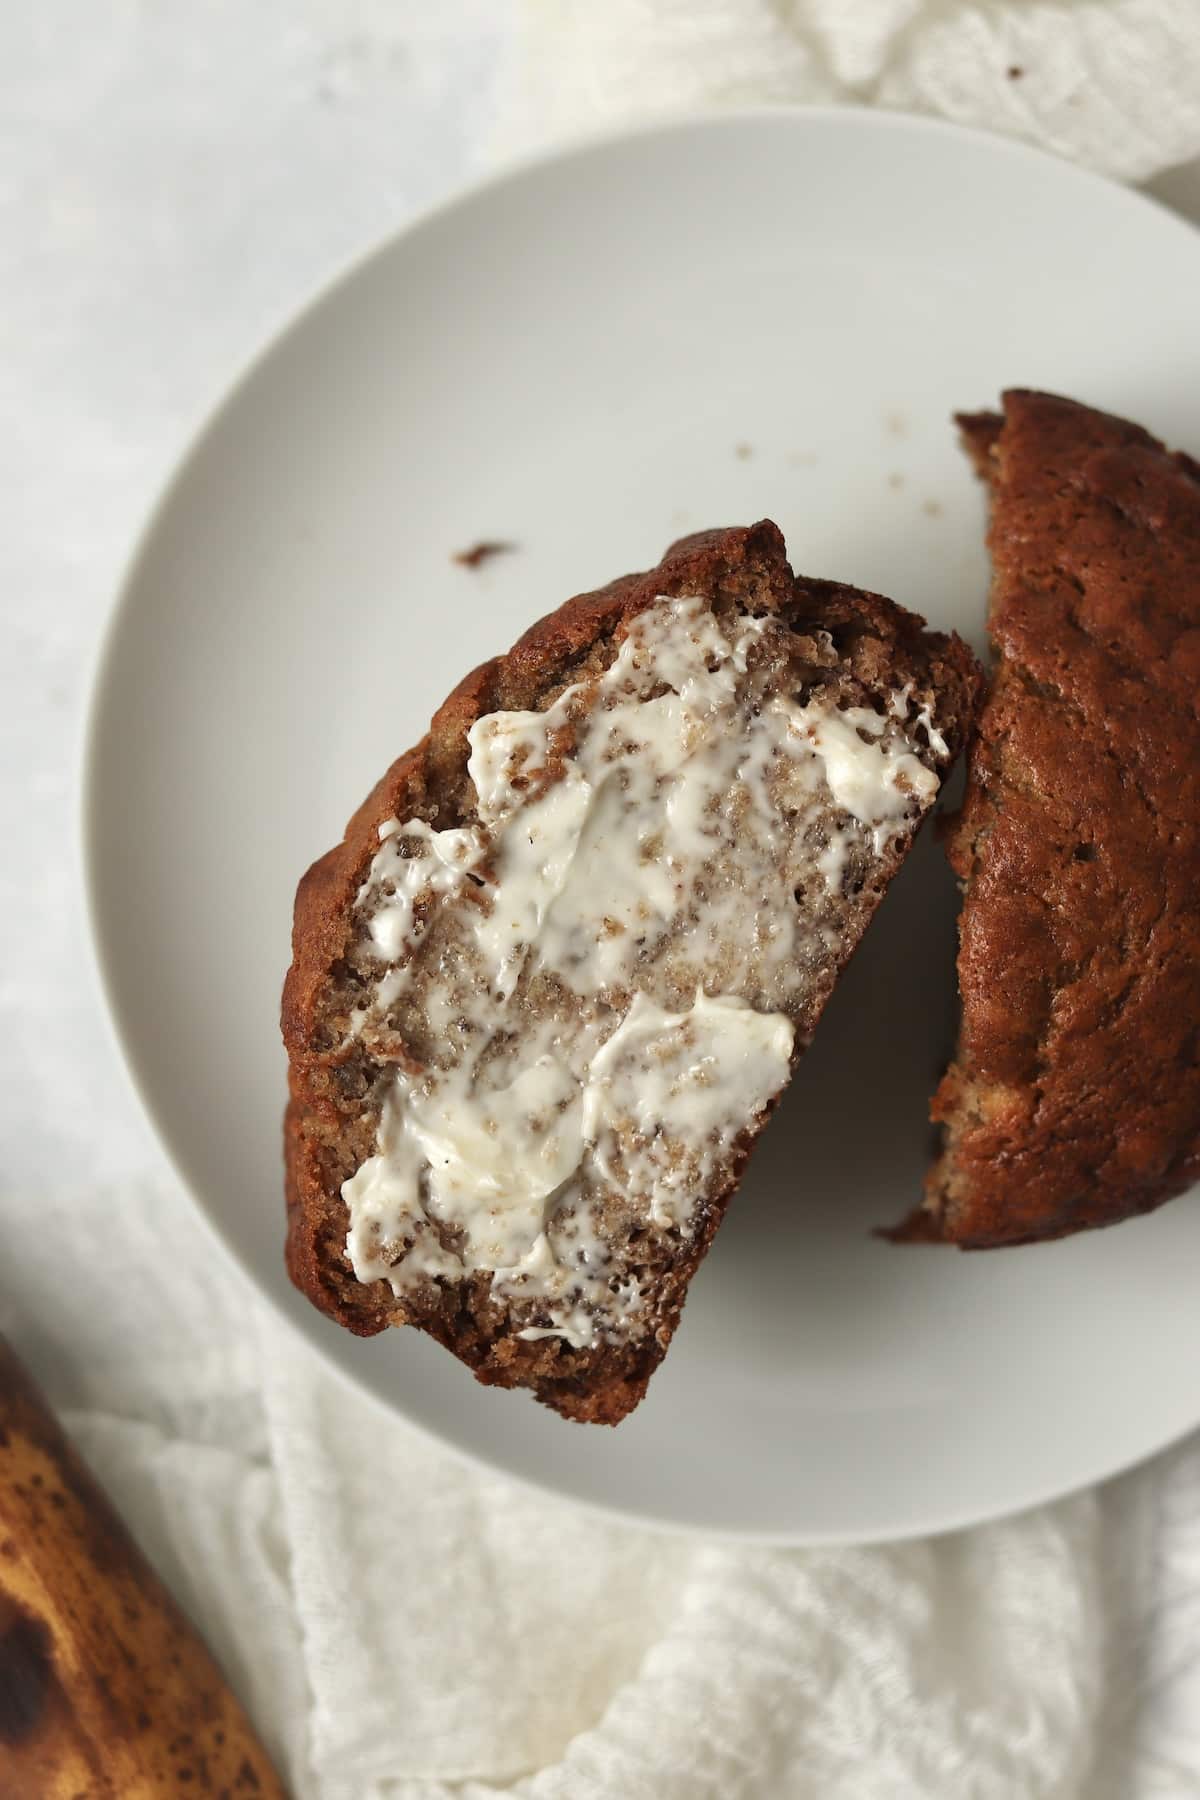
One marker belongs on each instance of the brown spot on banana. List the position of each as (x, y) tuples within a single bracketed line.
[(26, 1672)]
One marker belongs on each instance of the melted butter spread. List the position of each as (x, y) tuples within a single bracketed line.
[(590, 977)]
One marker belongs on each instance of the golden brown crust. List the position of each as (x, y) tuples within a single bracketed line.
[(1074, 1098), (980, 433), (330, 1121)]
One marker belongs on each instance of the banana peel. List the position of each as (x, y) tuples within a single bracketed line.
[(106, 1690)]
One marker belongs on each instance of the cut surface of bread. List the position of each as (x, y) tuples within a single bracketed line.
[(549, 987), (1074, 1096)]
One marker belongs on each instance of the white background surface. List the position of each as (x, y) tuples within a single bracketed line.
[(171, 180)]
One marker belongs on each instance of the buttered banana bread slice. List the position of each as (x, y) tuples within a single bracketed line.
[(550, 986)]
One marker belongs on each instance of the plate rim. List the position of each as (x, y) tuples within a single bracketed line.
[(106, 986)]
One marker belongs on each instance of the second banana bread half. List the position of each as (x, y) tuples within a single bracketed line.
[(1074, 1096)]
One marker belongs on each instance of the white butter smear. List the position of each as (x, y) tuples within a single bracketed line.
[(876, 783), (639, 834), (664, 1080)]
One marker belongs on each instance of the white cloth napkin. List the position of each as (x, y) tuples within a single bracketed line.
[(403, 1628), (1111, 83)]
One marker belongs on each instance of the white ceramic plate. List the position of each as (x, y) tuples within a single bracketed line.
[(758, 314)]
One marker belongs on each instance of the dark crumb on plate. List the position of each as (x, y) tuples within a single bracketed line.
[(932, 509), (896, 480), (482, 552), (896, 424), (743, 452), (1015, 71)]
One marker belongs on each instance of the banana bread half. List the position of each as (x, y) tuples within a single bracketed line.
[(1074, 1097), (551, 984)]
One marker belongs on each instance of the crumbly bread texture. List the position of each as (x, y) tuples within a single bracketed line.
[(1074, 1096), (352, 1038)]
